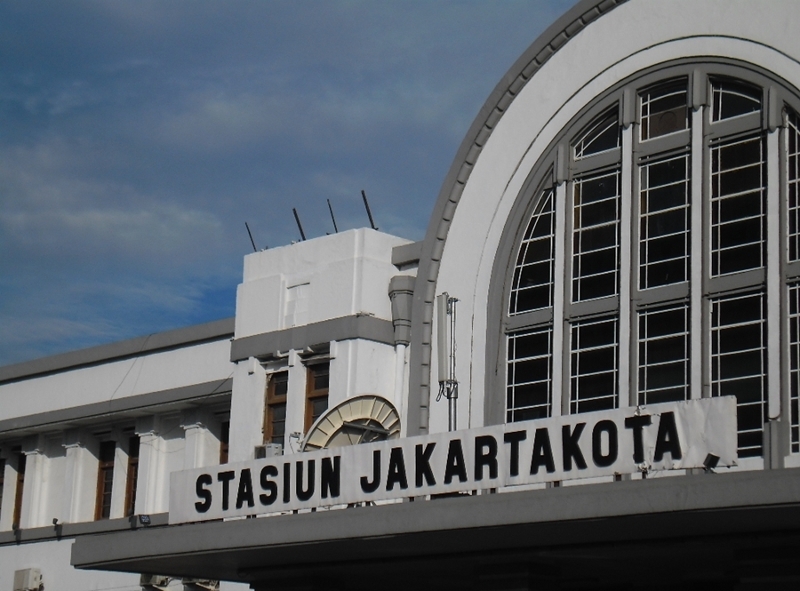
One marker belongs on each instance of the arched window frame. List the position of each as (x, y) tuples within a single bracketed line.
[(558, 171)]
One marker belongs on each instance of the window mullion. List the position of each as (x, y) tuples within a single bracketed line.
[(625, 267), (774, 283), (560, 207), (698, 257)]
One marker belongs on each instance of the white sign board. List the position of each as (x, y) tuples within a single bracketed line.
[(623, 441)]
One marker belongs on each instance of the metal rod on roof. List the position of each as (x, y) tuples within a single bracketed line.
[(333, 219), (249, 233), (369, 212), (299, 225)]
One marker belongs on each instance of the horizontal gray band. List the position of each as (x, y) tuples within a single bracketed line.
[(245, 550), (406, 254), (300, 337), (210, 331), (88, 413), (72, 530)]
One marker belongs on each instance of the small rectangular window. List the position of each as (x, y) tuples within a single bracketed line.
[(738, 205), (132, 477), (224, 438), (595, 236), (105, 480), (275, 415), (532, 287), (663, 109), (731, 98), (594, 365), (664, 222), (530, 380), (739, 363), (21, 461), (664, 354), (316, 392)]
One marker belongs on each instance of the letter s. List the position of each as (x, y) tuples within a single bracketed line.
[(202, 481)]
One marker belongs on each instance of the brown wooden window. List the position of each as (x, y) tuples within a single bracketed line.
[(133, 475), (105, 480), (275, 411), (316, 392), (21, 458), (224, 438), (2, 481)]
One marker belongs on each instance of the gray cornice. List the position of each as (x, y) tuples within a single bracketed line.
[(558, 34), (172, 398), (357, 326), (211, 331)]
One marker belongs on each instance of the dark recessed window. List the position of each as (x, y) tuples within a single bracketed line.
[(663, 109)]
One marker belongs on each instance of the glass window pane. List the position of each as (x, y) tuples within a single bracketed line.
[(664, 354), (793, 179), (739, 362), (593, 365), (529, 380), (664, 222), (595, 256), (731, 98), (601, 135), (794, 366), (533, 276), (738, 204), (663, 109)]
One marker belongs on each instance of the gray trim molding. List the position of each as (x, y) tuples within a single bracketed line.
[(68, 531), (559, 33), (406, 254), (88, 413), (211, 331), (357, 326), (345, 541)]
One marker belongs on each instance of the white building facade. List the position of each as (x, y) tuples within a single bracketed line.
[(618, 239)]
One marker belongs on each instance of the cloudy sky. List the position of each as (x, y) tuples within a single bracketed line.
[(137, 138)]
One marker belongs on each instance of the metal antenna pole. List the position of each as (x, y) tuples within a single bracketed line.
[(299, 225), (369, 211), (333, 219), (249, 233)]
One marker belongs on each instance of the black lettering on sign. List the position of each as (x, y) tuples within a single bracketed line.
[(203, 481), (366, 485), (571, 450), (245, 492), (225, 478), (306, 493), (667, 439), (397, 470), (610, 428), (637, 423), (514, 438), (268, 485), (287, 482), (331, 476), (542, 452), (455, 465), (485, 456), (422, 464)]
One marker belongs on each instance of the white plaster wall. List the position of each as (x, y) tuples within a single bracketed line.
[(362, 367), (346, 273), (630, 38), (53, 560), (118, 379)]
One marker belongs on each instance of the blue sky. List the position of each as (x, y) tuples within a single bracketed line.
[(137, 138)]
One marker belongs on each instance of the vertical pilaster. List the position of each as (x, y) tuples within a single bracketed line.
[(33, 495), (247, 409), (201, 446), (80, 479), (151, 467)]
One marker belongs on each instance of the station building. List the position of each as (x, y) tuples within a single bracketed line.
[(586, 376)]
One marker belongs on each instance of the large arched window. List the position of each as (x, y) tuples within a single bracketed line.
[(655, 255)]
